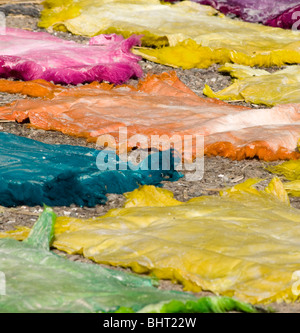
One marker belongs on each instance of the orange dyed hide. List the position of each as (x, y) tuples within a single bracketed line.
[(162, 105)]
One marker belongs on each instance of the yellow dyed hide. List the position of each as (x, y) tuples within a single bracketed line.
[(188, 34), (291, 171), (243, 243), (259, 86)]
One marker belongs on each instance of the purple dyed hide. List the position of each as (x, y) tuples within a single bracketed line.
[(276, 13), (30, 55), (290, 19)]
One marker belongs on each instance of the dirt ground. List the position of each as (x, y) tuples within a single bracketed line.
[(218, 172)]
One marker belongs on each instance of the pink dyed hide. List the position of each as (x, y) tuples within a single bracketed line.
[(31, 55)]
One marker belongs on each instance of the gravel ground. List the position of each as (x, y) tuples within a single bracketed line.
[(219, 172)]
